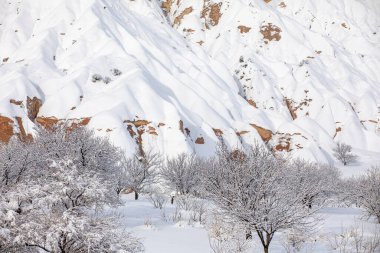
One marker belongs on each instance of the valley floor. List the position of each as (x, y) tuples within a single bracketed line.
[(159, 234)]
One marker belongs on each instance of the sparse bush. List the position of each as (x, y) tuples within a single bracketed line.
[(177, 215), (185, 202), (148, 222), (96, 78), (158, 200), (199, 209), (107, 80), (353, 240), (343, 153), (225, 236), (116, 72), (295, 240)]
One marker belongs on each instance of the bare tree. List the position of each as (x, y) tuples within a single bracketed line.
[(141, 171), (365, 192), (253, 188), (343, 153), (317, 181), (85, 149), (181, 173), (15, 158)]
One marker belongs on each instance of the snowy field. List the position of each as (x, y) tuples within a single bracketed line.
[(159, 233)]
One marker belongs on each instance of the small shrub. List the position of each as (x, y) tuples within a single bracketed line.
[(353, 239), (199, 209), (96, 78), (185, 202), (116, 72), (158, 200), (107, 80), (177, 215)]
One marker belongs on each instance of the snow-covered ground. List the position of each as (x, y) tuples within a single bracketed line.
[(160, 234)]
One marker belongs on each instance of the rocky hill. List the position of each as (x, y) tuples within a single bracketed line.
[(178, 76)]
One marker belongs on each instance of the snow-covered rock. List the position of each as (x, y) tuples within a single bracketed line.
[(176, 76)]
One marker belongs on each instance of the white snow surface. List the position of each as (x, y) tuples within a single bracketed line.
[(159, 234), (325, 64)]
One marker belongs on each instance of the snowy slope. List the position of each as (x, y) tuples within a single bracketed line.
[(311, 66), (316, 85)]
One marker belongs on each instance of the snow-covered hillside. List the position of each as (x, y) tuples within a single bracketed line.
[(180, 75)]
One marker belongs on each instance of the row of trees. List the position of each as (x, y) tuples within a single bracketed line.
[(267, 194), (54, 190)]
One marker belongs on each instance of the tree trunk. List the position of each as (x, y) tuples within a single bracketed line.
[(136, 195), (248, 235), (266, 249)]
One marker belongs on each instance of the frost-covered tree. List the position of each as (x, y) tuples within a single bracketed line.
[(15, 159), (252, 187), (55, 204), (83, 148), (365, 192), (140, 171), (317, 181), (343, 152), (80, 143), (181, 173)]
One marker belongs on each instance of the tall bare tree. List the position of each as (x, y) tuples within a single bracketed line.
[(181, 173), (317, 181), (141, 171), (252, 187), (343, 152)]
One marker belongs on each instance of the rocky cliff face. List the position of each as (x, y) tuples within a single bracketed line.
[(178, 76)]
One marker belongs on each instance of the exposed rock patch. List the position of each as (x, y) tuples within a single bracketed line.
[(178, 19), (200, 140), (211, 13), (33, 106), (251, 102), (292, 110), (282, 5), (47, 122), (167, 5), (15, 102), (22, 133), (244, 29), (6, 129), (265, 134), (270, 32), (218, 132)]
